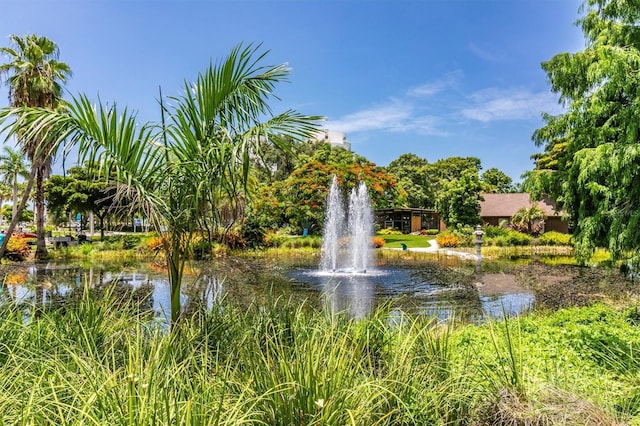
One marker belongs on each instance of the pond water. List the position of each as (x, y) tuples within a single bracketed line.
[(424, 287)]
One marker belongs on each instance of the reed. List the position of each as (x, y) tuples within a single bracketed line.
[(103, 361)]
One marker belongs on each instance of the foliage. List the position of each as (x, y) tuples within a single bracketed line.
[(494, 231), (198, 176), (459, 199), (300, 199), (591, 158), (494, 180), (79, 192), (282, 363), (17, 249), (413, 177), (448, 240), (125, 242), (35, 77), (377, 242), (7, 214), (296, 242), (389, 231), (529, 220), (511, 238), (12, 167), (553, 238)]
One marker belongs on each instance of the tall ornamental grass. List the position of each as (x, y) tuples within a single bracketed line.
[(103, 360)]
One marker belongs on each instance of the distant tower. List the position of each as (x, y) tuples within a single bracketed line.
[(338, 139)]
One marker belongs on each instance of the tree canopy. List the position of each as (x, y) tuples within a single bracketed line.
[(300, 199), (591, 158)]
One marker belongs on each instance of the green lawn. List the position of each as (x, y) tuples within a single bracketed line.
[(412, 241)]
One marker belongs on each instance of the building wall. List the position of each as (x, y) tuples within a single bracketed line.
[(338, 139)]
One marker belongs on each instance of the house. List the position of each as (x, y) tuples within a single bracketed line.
[(501, 207), (407, 220)]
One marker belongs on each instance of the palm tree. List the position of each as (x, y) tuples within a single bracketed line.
[(196, 162), (528, 217), (34, 76), (13, 166)]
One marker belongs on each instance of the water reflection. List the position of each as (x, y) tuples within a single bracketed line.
[(429, 289)]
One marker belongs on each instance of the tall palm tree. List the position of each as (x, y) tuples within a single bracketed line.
[(196, 161), (12, 167), (35, 76)]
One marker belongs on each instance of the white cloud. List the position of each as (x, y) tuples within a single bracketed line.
[(394, 116), (518, 104), (428, 89), (486, 53)]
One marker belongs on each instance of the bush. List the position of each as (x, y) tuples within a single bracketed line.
[(448, 239), (511, 238), (495, 231), (154, 244), (274, 239), (377, 242), (389, 231), (301, 242), (17, 249), (553, 238), (125, 242)]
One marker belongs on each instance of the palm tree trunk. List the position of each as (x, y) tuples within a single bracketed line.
[(21, 207), (14, 194), (41, 247)]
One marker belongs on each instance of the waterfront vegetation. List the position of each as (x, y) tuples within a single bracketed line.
[(103, 360)]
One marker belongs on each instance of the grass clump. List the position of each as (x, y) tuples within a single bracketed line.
[(104, 360)]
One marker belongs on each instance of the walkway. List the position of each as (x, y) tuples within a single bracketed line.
[(435, 248)]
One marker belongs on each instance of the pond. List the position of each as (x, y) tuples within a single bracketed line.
[(416, 287)]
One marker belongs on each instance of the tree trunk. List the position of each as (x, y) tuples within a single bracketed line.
[(41, 247), (14, 194), (23, 204)]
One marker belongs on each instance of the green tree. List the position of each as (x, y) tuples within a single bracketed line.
[(591, 158), (34, 76), (496, 181), (204, 156), (412, 174), (12, 167), (26, 215), (459, 200), (79, 192), (300, 200)]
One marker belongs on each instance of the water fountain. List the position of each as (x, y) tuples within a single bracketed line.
[(346, 246)]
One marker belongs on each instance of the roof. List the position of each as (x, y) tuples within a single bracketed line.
[(506, 205)]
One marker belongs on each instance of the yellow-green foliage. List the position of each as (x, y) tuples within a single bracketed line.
[(553, 238), (389, 231), (17, 248), (447, 239)]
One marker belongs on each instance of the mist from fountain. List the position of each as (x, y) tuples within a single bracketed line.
[(356, 256)]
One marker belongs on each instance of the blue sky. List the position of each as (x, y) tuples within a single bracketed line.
[(437, 78)]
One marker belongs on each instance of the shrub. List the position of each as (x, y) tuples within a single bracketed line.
[(389, 231), (274, 239), (154, 244), (448, 239), (495, 231), (553, 238), (377, 242), (17, 249)]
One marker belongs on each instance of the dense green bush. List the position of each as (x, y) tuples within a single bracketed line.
[(512, 238), (553, 238), (125, 242), (302, 242), (491, 231)]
